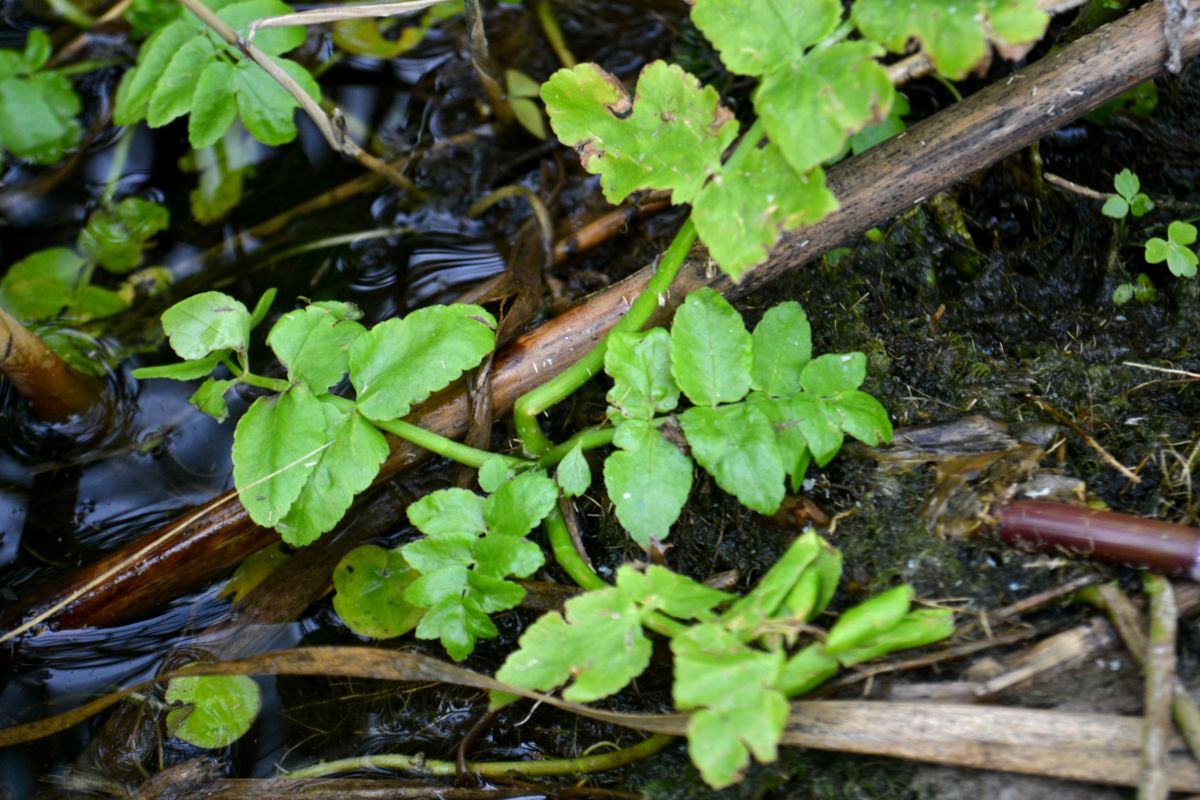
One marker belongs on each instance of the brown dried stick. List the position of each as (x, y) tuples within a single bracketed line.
[(871, 188), (55, 391)]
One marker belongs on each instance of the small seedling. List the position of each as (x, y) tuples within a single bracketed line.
[(1175, 249), (1129, 198)]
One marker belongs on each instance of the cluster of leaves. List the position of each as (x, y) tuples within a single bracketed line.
[(37, 106), (816, 89), (185, 68), (1175, 250), (764, 409), (57, 281), (300, 455), (733, 671)]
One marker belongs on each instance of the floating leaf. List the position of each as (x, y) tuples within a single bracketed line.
[(115, 237), (314, 345), (671, 136), (41, 285), (369, 584), (205, 323), (220, 709)]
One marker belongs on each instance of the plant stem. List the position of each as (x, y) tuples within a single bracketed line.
[(554, 33), (436, 443), (588, 439), (270, 384), (489, 769), (558, 388), (116, 168)]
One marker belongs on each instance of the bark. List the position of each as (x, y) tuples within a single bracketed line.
[(55, 391), (873, 187)]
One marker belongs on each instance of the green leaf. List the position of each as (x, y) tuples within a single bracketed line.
[(214, 105), (789, 439), (863, 417), (671, 136), (205, 323), (600, 644), (807, 670), (811, 109), (917, 629), (276, 446), (748, 612), (446, 550), (782, 347), (369, 584), (1127, 184), (272, 41), (183, 371), (139, 84), (1141, 205), (448, 511), (520, 504), (41, 285), (1175, 251), (640, 366), (711, 351), (116, 237), (458, 622), (834, 373), (402, 361), (648, 480), (174, 90), (1115, 207), (1122, 294), (755, 37), (220, 709), (210, 397), (868, 619), (573, 474), (344, 468), (736, 445), (955, 35), (314, 345), (498, 555), (1182, 233), (432, 588), (37, 117), (660, 589), (740, 214), (819, 423), (266, 109), (496, 470), (37, 50), (878, 132), (263, 306)]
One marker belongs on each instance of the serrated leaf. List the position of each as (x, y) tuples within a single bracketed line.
[(740, 214), (344, 468), (648, 481), (214, 105), (640, 366), (37, 117), (600, 644), (210, 398), (266, 109), (498, 555), (183, 371), (955, 35), (834, 373), (138, 84), (711, 350), (173, 92), (671, 136), (369, 584), (314, 345), (402, 361), (810, 110), (660, 589), (457, 622), (789, 439), (495, 471), (206, 322), (41, 285), (573, 474), (447, 550), (820, 425), (863, 417), (448, 582), (276, 447), (520, 504), (736, 445), (220, 709), (782, 348), (448, 511), (755, 37), (493, 594), (272, 41)]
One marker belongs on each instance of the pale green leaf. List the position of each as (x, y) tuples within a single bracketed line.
[(402, 361), (573, 474), (755, 37), (917, 629), (739, 215), (671, 136), (448, 511), (37, 117), (369, 584), (648, 481), (115, 237), (41, 285), (219, 709), (640, 366), (660, 589), (210, 397), (820, 424), (206, 322), (711, 350), (276, 446), (782, 348), (863, 417), (174, 90), (868, 619), (344, 468), (314, 345), (736, 445), (430, 555), (498, 555), (834, 373), (520, 504), (1127, 184)]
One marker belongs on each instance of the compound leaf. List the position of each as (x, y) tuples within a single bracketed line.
[(276, 446), (660, 589), (457, 621), (782, 348), (640, 366), (214, 105), (139, 84), (347, 466), (402, 361), (648, 481), (176, 86), (670, 136), (711, 350), (736, 445), (369, 584), (863, 417), (519, 504)]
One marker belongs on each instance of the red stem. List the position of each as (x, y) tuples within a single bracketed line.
[(1102, 535)]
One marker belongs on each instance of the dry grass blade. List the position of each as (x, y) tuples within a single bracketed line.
[(320, 16)]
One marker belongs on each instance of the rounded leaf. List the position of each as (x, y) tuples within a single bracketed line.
[(220, 708), (369, 584)]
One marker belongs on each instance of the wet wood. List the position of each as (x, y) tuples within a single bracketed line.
[(55, 391), (871, 188)]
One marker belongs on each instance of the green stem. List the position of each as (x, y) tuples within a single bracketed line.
[(270, 384), (442, 446), (72, 13), (120, 156), (554, 33), (81, 67), (588, 439), (558, 388), (489, 769)]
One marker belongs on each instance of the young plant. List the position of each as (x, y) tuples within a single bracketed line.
[(1129, 198), (1175, 250), (38, 107)]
